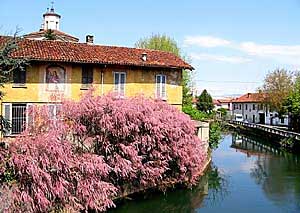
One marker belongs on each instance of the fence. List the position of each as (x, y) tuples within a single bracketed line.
[(269, 129)]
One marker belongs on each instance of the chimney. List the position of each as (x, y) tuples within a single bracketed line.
[(144, 56), (89, 39)]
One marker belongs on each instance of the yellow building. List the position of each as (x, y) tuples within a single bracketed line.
[(64, 69)]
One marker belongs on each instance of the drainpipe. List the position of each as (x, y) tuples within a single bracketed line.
[(1, 132), (102, 82)]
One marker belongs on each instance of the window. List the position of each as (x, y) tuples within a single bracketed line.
[(253, 107), (161, 87), (119, 81), (282, 120), (246, 106), (18, 118), (19, 77), (17, 115), (246, 116), (240, 106), (253, 118), (53, 110), (87, 76)]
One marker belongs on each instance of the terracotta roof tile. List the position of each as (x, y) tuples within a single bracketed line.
[(250, 97), (59, 51), (60, 34)]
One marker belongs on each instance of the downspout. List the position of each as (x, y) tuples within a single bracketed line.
[(102, 81), (1, 132)]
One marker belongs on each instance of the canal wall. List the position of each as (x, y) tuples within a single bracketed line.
[(164, 185), (279, 137)]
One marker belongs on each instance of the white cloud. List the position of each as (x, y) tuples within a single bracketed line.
[(287, 54), (270, 50), (220, 58), (205, 41)]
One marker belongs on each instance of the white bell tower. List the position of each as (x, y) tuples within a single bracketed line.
[(51, 19)]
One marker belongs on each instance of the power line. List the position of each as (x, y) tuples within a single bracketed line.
[(231, 82)]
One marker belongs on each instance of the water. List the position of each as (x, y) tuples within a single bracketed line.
[(246, 175)]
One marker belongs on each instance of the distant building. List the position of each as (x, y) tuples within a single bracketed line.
[(222, 103), (253, 109)]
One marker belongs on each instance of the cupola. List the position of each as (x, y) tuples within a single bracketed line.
[(51, 19)]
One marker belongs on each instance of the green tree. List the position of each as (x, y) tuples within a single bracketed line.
[(165, 43), (277, 84), (159, 42), (205, 102), (8, 65), (187, 96), (50, 35), (292, 105)]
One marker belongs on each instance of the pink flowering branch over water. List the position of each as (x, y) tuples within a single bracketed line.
[(97, 147)]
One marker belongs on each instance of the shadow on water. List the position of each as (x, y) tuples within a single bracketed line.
[(212, 185)]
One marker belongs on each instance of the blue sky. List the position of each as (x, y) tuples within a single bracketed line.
[(232, 44)]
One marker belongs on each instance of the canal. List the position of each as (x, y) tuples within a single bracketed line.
[(246, 175)]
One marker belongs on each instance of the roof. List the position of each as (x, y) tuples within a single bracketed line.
[(58, 51), (219, 102), (61, 35), (216, 102), (250, 98), (225, 101)]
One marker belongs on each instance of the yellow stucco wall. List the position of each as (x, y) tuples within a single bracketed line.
[(138, 81)]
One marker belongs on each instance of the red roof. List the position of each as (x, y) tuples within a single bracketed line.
[(250, 97), (195, 100), (61, 35), (216, 102), (225, 101), (59, 51)]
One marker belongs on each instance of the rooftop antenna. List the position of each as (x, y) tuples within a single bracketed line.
[(52, 6)]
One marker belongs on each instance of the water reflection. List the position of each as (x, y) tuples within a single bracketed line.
[(247, 175), (211, 186), (217, 184), (276, 171)]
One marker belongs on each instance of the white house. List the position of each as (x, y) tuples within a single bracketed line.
[(253, 110), (222, 103)]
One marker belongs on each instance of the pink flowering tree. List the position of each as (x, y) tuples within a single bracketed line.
[(98, 148)]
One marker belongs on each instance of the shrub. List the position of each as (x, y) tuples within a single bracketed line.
[(195, 114), (99, 146), (215, 134)]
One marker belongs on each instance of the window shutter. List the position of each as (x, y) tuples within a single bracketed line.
[(7, 116), (84, 76), (29, 115), (90, 80), (51, 111), (163, 87), (23, 76), (122, 84), (19, 76), (116, 82), (87, 75), (158, 80)]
